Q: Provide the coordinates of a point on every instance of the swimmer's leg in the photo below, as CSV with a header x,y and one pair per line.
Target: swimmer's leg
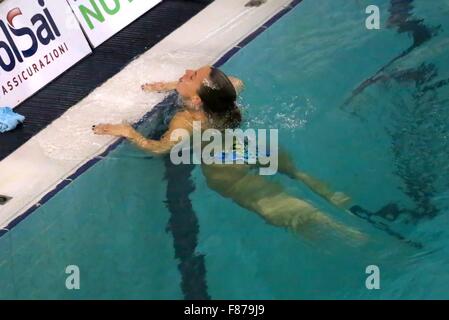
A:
x,y
339,199
269,200
287,167
300,216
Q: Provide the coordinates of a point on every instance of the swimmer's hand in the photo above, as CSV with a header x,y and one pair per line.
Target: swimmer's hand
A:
x,y
117,130
159,86
238,84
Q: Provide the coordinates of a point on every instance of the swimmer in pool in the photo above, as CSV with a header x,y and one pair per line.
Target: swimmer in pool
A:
x,y
209,96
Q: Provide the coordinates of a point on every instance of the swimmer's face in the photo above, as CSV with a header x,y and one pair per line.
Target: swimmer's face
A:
x,y
191,81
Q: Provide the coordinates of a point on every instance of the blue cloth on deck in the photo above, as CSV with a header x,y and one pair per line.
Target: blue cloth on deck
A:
x,y
9,119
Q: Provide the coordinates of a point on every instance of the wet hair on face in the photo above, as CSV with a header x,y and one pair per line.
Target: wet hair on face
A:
x,y
219,98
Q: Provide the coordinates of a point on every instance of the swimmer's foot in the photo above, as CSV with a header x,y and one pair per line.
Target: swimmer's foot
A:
x,y
350,234
341,200
338,199
355,234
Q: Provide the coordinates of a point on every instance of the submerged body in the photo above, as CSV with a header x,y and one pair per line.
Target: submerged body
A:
x,y
209,97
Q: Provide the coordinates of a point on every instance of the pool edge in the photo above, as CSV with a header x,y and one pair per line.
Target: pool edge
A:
x,y
283,10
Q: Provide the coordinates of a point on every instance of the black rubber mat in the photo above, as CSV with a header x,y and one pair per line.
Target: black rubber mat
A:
x,y
108,59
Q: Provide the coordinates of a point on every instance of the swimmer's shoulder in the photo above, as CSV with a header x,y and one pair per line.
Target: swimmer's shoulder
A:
x,y
184,119
181,119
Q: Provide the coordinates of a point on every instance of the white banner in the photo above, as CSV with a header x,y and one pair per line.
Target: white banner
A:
x,y
101,19
39,40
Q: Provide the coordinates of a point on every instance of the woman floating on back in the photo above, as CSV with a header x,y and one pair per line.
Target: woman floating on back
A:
x,y
209,98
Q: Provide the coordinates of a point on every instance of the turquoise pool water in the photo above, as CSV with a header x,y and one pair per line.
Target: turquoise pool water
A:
x,y
387,144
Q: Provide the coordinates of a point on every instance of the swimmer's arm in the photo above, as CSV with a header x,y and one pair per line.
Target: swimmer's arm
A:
x,y
169,86
159,86
238,84
166,143
162,146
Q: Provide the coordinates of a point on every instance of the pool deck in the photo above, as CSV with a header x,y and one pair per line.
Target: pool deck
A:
x,y
53,158
103,63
